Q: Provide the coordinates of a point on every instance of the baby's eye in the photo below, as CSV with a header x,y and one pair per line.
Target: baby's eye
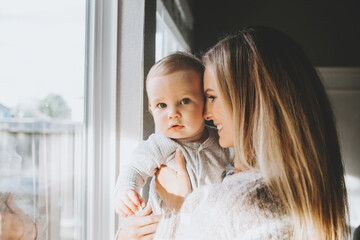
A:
x,y
161,105
212,98
185,101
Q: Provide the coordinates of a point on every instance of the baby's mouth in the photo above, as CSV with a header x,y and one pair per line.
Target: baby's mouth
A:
x,y
176,127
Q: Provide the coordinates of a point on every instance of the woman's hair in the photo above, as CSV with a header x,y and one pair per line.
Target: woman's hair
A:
x,y
284,127
174,62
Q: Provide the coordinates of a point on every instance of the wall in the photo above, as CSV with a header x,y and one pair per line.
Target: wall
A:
x,y
343,88
329,31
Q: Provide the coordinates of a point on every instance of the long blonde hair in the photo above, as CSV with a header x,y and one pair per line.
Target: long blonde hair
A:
x,y
284,127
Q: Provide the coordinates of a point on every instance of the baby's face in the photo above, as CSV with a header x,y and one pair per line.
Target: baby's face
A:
x,y
176,101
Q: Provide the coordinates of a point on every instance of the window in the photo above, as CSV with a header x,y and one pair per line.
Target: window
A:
x,y
64,110
42,121
168,37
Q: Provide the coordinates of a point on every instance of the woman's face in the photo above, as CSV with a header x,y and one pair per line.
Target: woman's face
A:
x,y
215,110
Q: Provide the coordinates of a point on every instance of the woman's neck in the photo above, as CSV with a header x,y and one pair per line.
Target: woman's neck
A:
x,y
236,165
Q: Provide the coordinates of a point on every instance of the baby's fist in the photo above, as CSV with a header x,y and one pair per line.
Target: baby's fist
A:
x,y
127,203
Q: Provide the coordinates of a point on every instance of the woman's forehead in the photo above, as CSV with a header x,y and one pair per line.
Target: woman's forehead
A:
x,y
209,79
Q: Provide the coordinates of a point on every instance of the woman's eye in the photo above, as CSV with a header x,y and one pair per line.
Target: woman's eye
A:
x,y
185,101
212,98
161,105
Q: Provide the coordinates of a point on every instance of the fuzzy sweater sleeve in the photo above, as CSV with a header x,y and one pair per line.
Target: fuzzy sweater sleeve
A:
x,y
170,223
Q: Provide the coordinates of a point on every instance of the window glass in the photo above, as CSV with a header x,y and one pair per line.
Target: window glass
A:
x,y
168,37
42,55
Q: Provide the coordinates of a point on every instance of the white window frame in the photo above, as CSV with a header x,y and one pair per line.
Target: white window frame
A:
x,y
115,68
101,57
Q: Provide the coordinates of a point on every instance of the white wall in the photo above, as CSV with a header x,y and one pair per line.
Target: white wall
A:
x,y
343,88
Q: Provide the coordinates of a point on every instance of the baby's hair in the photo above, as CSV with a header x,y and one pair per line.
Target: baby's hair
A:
x,y
174,62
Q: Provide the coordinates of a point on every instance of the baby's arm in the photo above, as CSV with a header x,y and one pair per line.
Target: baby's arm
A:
x,y
147,158
131,179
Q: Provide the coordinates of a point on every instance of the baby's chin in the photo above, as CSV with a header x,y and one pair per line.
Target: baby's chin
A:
x,y
188,138
178,136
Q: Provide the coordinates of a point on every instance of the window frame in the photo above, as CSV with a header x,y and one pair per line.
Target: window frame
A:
x,y
100,114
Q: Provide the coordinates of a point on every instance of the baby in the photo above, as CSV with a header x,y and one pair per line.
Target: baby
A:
x,y
176,102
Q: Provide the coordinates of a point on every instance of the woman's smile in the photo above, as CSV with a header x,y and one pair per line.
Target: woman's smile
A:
x,y
215,110
219,128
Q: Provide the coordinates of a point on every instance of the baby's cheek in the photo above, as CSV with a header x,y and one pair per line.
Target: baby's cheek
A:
x,y
197,115
199,108
159,119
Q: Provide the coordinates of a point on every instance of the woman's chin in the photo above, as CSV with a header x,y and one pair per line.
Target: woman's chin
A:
x,y
225,144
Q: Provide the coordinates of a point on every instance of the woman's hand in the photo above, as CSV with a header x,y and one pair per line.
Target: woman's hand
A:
x,y
11,226
141,227
172,186
16,224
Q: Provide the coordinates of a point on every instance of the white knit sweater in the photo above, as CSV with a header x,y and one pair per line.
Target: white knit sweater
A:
x,y
242,207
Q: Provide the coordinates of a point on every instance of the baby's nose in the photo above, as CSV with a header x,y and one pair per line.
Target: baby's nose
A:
x,y
174,113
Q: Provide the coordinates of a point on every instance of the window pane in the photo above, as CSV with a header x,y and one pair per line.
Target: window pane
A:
x,y
42,55
166,38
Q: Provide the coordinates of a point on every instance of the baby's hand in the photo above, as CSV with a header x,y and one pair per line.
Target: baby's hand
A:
x,y
127,203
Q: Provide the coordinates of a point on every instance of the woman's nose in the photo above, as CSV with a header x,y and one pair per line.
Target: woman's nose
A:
x,y
207,113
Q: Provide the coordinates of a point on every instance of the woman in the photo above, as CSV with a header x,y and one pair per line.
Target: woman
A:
x,y
267,102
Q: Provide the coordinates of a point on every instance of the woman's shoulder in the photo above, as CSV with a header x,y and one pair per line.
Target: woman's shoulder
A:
x,y
250,191
242,206
236,191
